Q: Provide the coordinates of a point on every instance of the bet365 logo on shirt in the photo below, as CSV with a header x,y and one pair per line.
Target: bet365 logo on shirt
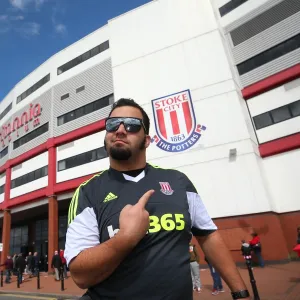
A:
x,y
166,222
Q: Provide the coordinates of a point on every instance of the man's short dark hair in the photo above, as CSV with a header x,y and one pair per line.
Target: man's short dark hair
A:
x,y
130,102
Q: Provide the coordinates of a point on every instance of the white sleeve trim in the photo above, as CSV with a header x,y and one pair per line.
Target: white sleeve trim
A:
x,y
82,233
199,215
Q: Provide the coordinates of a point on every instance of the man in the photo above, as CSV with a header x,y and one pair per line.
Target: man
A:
x,y
9,267
20,265
130,226
56,264
194,264
30,266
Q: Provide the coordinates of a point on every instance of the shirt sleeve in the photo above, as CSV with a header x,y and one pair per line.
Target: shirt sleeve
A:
x,y
83,231
201,222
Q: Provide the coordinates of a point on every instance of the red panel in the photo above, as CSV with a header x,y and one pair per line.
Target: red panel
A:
x,y
35,195
51,170
271,82
7,187
280,145
175,124
187,116
70,185
80,132
161,123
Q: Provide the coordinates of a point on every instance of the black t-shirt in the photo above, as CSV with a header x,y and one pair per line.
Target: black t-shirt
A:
x,y
158,267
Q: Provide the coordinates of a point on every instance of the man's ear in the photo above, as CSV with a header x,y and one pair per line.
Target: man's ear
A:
x,y
147,141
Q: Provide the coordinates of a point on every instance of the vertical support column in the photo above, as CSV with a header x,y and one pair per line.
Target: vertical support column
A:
x,y
5,235
51,166
52,228
7,187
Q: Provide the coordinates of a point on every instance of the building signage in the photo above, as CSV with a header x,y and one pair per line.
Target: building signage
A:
x,y
28,119
175,122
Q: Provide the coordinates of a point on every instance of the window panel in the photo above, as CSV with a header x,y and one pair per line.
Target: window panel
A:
x,y
33,88
65,96
262,120
269,55
84,110
82,159
31,135
295,108
281,114
83,57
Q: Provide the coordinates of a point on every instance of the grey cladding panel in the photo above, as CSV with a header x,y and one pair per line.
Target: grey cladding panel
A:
x,y
45,101
271,68
267,39
98,83
264,21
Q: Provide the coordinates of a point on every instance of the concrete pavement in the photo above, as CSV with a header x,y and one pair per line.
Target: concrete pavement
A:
x,y
274,282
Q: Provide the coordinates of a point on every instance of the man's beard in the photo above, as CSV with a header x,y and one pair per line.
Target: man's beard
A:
x,y
119,153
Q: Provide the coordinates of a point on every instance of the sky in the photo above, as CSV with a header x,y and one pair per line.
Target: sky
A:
x,y
31,31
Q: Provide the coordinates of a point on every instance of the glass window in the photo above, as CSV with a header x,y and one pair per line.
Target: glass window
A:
x,y
295,108
95,51
80,89
86,55
61,165
262,120
83,57
31,135
281,114
65,96
4,152
269,55
84,110
33,88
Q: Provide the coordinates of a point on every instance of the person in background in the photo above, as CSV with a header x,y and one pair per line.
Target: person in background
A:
x,y
20,265
30,264
64,263
35,263
9,267
56,264
194,264
217,286
14,264
256,247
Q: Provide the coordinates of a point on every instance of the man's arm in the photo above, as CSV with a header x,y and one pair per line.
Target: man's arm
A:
x,y
220,258
91,262
205,231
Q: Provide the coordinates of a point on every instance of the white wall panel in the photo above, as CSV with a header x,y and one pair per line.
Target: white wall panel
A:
x,y
2,178
229,188
29,187
1,198
277,97
86,169
30,165
158,25
196,63
282,173
82,145
279,130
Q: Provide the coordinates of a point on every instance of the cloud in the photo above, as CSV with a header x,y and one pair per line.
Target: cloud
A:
x,y
60,28
16,18
3,17
23,4
19,4
29,29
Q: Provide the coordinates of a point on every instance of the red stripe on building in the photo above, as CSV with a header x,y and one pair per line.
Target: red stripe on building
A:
x,y
187,116
281,145
161,123
271,82
175,124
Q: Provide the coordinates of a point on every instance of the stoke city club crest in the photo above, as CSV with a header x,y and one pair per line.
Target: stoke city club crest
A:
x,y
175,122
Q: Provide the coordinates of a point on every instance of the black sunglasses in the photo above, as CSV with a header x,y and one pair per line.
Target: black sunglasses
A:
x,y
132,125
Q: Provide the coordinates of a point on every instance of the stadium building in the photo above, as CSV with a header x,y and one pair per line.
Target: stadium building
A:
x,y
221,82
